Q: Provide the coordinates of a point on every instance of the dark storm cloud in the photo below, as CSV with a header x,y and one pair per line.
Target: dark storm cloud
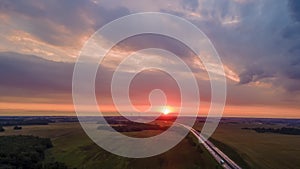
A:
x,y
144,41
258,39
31,75
292,34
295,9
291,31
34,73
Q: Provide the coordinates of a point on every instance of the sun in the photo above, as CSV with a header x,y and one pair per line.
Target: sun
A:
x,y
166,110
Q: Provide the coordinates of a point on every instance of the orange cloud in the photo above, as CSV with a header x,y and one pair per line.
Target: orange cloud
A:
x,y
40,109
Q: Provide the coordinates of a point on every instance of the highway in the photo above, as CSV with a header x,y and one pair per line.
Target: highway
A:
x,y
221,158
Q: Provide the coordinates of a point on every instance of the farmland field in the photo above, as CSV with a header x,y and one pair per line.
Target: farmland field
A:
x,y
72,147
259,150
248,148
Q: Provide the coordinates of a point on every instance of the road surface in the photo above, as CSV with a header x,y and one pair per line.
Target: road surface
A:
x,y
222,158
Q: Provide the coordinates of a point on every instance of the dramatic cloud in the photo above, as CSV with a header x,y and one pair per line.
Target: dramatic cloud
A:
x,y
258,38
258,42
27,76
57,23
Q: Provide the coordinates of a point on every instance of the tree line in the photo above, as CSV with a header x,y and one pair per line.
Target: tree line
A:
x,y
26,152
283,130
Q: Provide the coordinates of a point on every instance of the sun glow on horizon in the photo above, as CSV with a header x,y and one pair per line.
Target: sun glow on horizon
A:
x,y
166,110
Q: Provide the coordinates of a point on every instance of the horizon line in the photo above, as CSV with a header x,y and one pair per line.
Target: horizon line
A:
x,y
243,117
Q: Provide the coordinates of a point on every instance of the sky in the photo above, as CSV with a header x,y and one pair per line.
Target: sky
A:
x,y
258,42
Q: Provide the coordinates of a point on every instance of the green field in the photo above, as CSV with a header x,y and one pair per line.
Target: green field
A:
x,y
258,150
246,147
72,147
